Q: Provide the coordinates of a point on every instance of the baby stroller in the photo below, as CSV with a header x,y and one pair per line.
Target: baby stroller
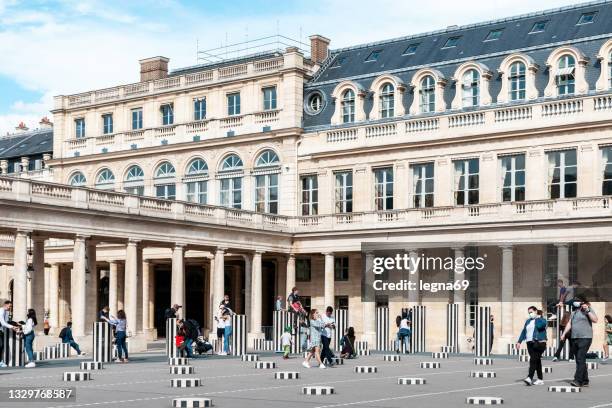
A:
x,y
202,346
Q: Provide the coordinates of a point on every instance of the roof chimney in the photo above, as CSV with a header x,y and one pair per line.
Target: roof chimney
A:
x,y
153,68
45,123
318,48
21,128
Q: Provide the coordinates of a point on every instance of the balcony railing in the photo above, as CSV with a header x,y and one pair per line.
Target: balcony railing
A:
x,y
29,191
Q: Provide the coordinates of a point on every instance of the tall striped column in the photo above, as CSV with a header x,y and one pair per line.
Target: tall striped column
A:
x,y
102,344
13,351
239,336
341,316
452,327
280,320
417,340
482,331
171,350
382,328
565,353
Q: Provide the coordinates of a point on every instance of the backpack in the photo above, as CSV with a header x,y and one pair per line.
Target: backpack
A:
x,y
62,333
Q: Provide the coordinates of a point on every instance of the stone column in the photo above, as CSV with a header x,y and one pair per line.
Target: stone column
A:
x,y
37,283
91,304
152,297
290,273
177,288
120,286
131,282
563,263
247,289
112,287
369,303
20,279
459,296
146,274
78,286
415,275
218,279
507,293
211,296
46,289
256,287
328,298
54,277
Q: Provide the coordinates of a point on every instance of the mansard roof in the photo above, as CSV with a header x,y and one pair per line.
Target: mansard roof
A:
x,y
30,143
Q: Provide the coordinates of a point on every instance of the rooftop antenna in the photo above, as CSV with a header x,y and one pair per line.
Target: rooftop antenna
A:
x,y
277,35
197,49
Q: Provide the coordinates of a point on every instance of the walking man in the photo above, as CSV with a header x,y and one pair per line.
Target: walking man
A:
x,y
326,336
581,326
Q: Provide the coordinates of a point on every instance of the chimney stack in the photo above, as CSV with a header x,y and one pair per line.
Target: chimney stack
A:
x,y
21,128
318,48
45,123
153,68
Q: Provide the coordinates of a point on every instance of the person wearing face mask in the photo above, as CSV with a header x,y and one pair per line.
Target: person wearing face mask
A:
x,y
534,333
581,327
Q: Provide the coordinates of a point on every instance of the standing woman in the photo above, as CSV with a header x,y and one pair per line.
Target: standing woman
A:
x,y
316,328
227,331
28,335
608,337
534,333
120,323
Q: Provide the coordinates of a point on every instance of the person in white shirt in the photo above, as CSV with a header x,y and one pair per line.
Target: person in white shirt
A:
x,y
326,336
220,329
28,336
5,326
286,342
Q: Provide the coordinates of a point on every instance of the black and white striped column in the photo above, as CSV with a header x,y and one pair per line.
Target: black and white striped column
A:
x,y
482,331
452,327
280,320
382,328
171,329
239,335
341,316
102,342
417,340
13,351
565,353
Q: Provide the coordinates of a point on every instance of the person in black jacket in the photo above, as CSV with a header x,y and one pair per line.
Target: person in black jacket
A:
x,y
171,312
191,333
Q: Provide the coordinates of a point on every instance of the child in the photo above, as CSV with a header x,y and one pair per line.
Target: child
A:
x,y
286,342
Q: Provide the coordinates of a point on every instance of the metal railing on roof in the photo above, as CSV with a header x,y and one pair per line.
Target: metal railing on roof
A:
x,y
251,48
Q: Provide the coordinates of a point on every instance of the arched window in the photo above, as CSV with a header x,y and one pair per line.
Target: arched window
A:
x,y
348,106
230,187
231,162
387,101
516,81
197,183
267,158
77,179
566,80
134,181
196,167
427,94
470,87
163,189
105,179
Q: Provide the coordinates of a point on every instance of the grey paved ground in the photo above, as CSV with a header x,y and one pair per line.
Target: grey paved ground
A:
x,y
145,382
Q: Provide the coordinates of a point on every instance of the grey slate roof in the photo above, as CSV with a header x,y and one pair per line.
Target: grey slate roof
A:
x,y
224,63
560,28
32,143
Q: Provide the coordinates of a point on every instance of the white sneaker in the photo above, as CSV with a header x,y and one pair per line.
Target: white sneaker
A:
x,y
305,364
31,364
528,381
322,366
223,353
538,382
2,365
571,360
555,359
604,359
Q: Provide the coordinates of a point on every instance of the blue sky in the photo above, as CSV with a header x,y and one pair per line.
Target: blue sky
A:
x,y
54,47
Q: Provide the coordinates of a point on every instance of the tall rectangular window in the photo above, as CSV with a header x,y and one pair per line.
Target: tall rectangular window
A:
x,y
79,128
383,189
310,195
167,112
341,268
303,270
231,192
269,98
233,104
344,191
423,185
199,109
562,174
107,124
167,191
606,188
137,119
266,193
197,191
466,181
513,177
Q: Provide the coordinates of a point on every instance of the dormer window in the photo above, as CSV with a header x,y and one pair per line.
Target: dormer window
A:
x,y
516,81
411,49
387,101
470,87
452,42
586,18
566,80
494,35
373,56
348,106
538,27
339,61
427,94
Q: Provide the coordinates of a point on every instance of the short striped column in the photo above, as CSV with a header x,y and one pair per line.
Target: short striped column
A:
x,y
63,350
341,316
13,351
50,352
417,340
483,331
171,349
382,328
102,343
239,336
452,327
565,352
263,345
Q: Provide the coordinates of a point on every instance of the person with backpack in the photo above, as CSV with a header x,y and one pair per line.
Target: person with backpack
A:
x,y
580,325
190,331
534,333
404,333
66,336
